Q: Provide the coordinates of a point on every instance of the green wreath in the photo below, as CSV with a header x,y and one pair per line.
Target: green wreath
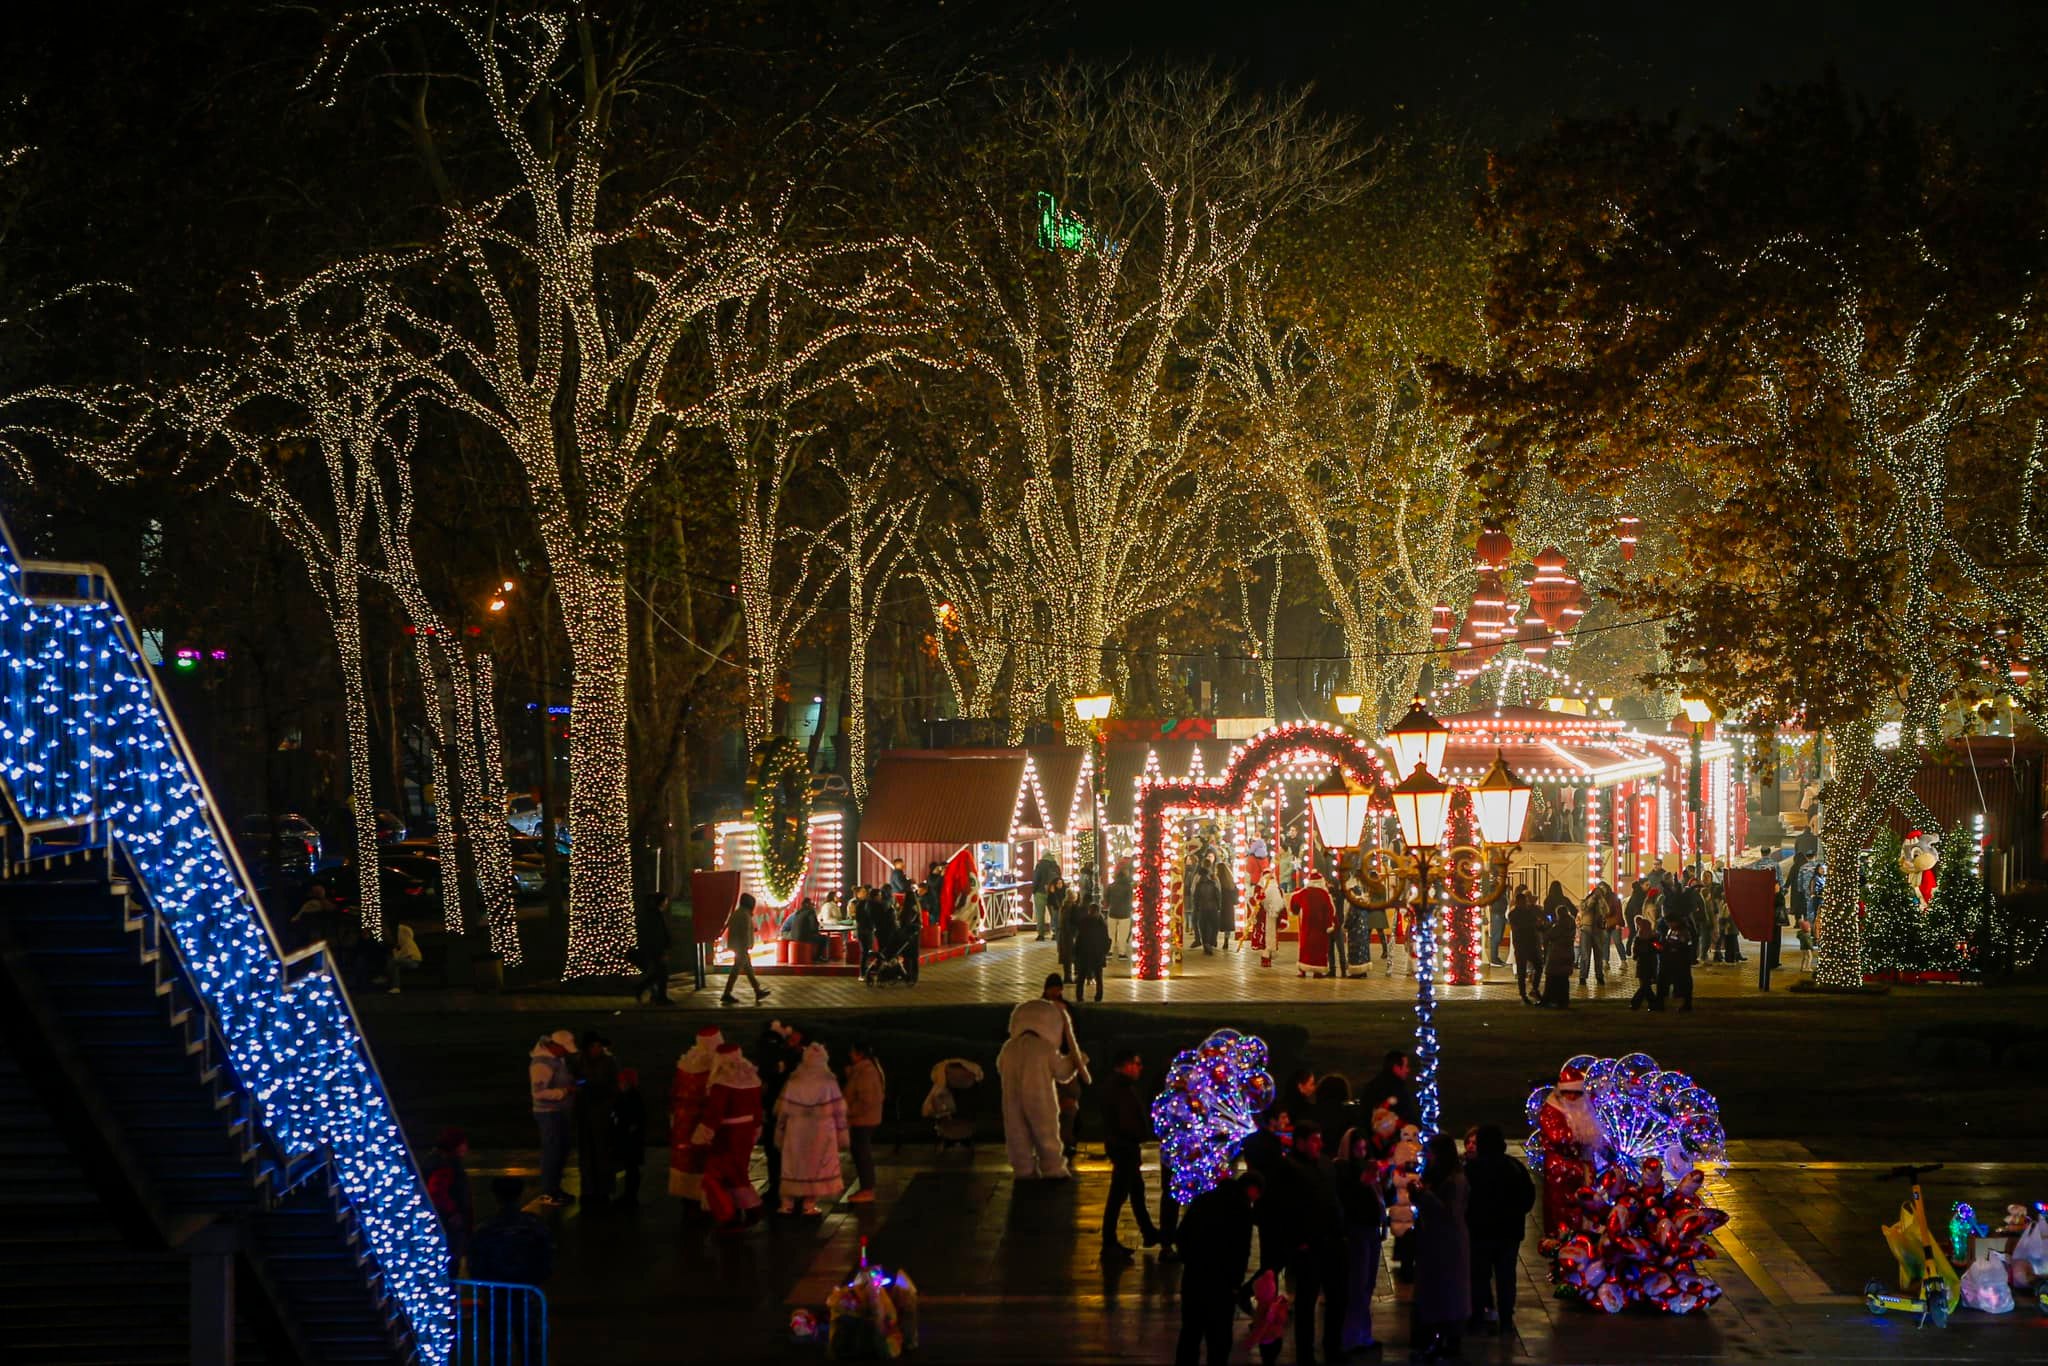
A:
x,y
779,787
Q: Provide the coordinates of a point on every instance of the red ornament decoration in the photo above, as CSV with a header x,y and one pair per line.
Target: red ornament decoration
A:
x,y
1626,528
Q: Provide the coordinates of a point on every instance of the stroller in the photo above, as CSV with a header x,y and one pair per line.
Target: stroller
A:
x,y
950,1104
893,947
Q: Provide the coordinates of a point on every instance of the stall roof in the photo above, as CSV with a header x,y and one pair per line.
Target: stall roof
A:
x,y
931,796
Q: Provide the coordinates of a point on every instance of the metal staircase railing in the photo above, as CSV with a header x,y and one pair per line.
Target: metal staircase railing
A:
x,y
91,757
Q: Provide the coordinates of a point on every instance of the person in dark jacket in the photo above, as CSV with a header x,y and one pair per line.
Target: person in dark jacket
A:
x,y
652,935
1215,1242
1126,1124
1044,877
1358,1175
1207,901
1443,1255
1558,939
934,893
512,1246
1642,949
1501,1196
910,936
448,1189
1091,950
1525,933
1068,918
1674,964
899,880
1394,1081
1116,908
1312,1231
597,1079
865,928
629,1134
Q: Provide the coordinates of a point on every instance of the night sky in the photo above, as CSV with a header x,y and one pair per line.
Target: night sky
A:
x,y
1505,71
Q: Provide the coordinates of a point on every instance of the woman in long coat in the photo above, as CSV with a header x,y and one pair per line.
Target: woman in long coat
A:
x,y
1443,1254
810,1129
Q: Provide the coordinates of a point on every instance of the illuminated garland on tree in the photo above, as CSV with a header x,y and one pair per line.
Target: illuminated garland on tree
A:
x,y
1210,1103
1293,742
779,789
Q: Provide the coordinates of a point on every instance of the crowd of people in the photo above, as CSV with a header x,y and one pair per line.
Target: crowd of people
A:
x,y
1333,1181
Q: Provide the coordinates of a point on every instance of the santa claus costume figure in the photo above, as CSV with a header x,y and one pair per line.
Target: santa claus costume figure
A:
x,y
1573,1146
725,1135
1314,914
685,1108
1267,916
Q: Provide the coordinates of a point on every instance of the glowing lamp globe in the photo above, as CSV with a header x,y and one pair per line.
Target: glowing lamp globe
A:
x,y
1418,738
1697,710
1501,802
1422,802
1348,703
1340,812
1093,709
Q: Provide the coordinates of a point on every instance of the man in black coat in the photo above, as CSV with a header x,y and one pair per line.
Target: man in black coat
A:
x,y
1496,1215
1525,933
651,930
1126,1124
1396,1080
1317,1264
1216,1252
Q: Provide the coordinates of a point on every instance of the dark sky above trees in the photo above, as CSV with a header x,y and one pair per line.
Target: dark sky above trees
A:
x,y
1505,70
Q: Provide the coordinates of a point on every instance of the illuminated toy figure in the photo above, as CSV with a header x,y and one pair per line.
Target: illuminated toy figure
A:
x,y
1573,1144
1314,915
1917,858
1033,1068
686,1106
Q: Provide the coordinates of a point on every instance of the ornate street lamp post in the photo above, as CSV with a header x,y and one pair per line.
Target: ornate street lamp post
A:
x,y
1472,875
1095,710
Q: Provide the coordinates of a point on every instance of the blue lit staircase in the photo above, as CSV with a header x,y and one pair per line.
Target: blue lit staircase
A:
x,y
198,1160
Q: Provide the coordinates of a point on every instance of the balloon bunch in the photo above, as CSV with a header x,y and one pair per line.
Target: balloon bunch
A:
x,y
1211,1103
1631,1240
1644,1113
873,1315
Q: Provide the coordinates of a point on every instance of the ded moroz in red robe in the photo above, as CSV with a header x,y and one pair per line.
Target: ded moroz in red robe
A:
x,y
686,1107
1313,914
725,1135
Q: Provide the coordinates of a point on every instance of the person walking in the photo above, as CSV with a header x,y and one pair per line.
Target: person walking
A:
x,y
1525,932
1674,964
1558,939
811,1132
1593,935
629,1135
1642,950
652,936
598,1087
864,1089
1215,1244
1443,1255
1091,950
1116,908
1501,1196
1126,1124
1365,1230
1044,877
739,937
553,1089
448,1190
1069,923
1207,898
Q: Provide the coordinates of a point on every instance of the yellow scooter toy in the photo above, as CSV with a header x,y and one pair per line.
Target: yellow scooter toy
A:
x,y
1928,1285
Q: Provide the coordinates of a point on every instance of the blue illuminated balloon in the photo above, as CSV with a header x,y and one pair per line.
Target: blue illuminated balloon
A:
x,y
1211,1102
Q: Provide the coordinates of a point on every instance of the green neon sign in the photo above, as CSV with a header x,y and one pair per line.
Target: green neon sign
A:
x,y
1061,231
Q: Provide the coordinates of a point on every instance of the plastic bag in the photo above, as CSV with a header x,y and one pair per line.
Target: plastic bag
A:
x,y
2030,1254
1984,1286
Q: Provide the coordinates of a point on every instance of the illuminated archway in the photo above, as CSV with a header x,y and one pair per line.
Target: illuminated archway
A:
x,y
1258,756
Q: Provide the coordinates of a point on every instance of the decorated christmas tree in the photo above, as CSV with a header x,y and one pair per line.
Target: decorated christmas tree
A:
x,y
1891,914
1959,912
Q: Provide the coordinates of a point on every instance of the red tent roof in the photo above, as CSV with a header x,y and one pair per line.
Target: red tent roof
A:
x,y
936,797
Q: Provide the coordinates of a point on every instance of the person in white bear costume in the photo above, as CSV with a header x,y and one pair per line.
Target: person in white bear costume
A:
x,y
1032,1066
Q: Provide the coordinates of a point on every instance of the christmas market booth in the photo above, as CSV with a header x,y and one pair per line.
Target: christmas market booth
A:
x,y
1003,808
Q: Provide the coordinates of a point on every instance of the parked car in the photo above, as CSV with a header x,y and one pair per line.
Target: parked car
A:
x,y
405,896
828,785
297,848
390,829
523,814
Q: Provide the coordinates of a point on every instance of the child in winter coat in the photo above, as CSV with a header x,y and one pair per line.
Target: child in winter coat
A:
x,y
865,1087
811,1130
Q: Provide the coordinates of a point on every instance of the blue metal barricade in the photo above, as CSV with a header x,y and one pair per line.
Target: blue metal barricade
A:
x,y
499,1324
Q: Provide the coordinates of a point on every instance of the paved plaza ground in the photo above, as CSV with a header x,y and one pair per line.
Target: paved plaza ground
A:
x,y
1820,1095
